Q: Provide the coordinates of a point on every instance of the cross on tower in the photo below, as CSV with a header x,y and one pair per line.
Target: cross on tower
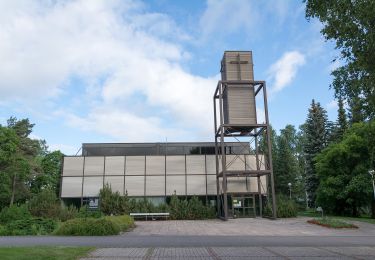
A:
x,y
239,62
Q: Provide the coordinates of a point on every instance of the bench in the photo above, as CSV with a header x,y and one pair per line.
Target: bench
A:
x,y
151,216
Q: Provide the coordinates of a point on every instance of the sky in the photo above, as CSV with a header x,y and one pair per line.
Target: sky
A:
x,y
145,71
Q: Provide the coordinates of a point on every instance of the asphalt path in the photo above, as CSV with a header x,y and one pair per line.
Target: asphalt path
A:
x,y
188,241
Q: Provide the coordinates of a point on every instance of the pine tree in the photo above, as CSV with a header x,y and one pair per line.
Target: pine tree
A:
x,y
316,141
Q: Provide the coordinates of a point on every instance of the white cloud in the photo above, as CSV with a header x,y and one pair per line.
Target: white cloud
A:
x,y
120,52
227,16
284,70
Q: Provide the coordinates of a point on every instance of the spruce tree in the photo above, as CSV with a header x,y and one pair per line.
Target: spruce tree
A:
x,y
342,123
285,163
316,141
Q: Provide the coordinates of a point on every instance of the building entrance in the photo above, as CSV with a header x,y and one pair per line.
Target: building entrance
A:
x,y
243,206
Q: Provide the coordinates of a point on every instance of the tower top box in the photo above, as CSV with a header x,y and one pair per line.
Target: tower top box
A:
x,y
237,65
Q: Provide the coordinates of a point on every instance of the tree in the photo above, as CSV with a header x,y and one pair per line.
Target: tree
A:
x,y
50,176
351,25
285,161
8,147
345,184
316,141
342,123
22,163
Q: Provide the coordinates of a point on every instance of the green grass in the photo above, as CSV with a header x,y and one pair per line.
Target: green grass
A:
x,y
361,219
43,253
314,214
331,223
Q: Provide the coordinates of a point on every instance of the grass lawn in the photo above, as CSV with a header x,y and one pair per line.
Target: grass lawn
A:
x,y
314,214
43,252
331,223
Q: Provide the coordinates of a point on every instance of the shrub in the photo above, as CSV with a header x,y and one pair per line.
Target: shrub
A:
x,y
88,227
45,205
112,203
3,231
124,222
85,212
14,213
67,213
189,209
286,208
32,226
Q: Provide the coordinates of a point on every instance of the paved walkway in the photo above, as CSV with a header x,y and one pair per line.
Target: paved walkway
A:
x,y
246,227
237,253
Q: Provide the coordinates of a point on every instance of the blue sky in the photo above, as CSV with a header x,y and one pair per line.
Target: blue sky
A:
x,y
136,71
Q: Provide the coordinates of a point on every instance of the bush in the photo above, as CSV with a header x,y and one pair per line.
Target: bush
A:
x,y
45,205
286,208
14,213
112,203
88,227
32,226
85,212
3,230
192,209
124,222
67,213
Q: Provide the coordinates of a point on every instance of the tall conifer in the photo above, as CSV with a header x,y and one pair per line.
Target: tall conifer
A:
x,y
316,141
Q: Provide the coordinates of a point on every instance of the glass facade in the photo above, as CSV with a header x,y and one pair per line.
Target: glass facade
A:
x,y
153,176
135,149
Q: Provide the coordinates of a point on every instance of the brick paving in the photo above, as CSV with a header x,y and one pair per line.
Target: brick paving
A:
x,y
237,253
246,227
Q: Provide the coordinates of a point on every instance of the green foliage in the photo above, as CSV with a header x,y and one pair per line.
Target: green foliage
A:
x,y
45,204
85,212
88,227
286,168
286,208
351,25
31,226
331,223
342,168
49,177
316,140
124,221
189,209
13,213
267,210
112,203
66,213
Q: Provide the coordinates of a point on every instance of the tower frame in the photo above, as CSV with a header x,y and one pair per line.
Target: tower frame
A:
x,y
224,131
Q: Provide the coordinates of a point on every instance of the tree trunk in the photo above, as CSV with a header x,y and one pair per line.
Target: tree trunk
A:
x,y
373,208
13,189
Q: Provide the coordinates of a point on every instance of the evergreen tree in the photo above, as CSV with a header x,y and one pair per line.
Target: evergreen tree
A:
x,y
342,123
331,129
316,141
285,162
355,110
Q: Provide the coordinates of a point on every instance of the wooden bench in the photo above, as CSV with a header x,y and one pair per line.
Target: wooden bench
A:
x,y
152,216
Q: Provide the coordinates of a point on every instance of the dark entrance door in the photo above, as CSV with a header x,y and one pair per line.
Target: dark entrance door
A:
x,y
243,206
